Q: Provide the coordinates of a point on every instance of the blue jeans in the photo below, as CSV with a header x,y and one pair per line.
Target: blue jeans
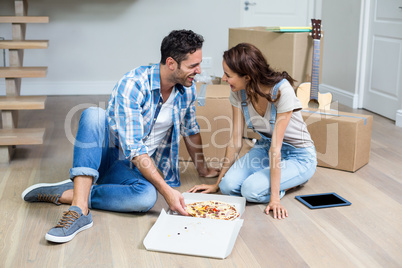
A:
x,y
250,175
118,185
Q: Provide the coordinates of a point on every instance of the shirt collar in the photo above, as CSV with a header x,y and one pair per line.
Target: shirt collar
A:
x,y
157,80
156,77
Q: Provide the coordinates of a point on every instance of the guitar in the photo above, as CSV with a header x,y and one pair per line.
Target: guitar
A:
x,y
308,93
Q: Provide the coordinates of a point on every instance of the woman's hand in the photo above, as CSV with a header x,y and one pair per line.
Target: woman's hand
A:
x,y
279,211
204,188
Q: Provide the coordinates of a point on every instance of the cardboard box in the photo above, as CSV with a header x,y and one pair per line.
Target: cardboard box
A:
x,y
196,236
342,140
291,52
214,116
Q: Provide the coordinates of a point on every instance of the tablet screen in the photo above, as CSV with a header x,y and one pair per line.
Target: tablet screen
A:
x,y
323,200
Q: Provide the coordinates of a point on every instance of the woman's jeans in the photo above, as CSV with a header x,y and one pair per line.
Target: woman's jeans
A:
x,y
118,185
250,175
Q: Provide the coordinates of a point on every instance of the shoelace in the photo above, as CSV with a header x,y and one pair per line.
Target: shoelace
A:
x,y
67,219
51,198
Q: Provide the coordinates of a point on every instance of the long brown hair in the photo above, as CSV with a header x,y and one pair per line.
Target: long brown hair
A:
x,y
246,59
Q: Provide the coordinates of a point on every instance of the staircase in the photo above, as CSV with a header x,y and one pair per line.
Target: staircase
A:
x,y
10,134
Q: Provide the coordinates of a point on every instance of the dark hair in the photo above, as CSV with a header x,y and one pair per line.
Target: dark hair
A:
x,y
246,59
178,44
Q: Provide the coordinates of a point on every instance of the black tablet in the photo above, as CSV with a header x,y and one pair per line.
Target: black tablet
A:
x,y
324,200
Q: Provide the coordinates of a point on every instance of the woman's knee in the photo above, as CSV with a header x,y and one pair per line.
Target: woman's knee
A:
x,y
250,193
228,186
256,188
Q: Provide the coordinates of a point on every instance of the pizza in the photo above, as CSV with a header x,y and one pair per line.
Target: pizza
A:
x,y
212,210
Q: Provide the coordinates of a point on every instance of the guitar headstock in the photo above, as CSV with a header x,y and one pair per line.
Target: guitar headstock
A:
x,y
316,29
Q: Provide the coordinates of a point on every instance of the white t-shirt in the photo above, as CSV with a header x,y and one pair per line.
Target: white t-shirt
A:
x,y
296,133
162,125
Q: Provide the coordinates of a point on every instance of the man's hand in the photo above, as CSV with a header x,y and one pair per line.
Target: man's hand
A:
x,y
279,211
204,188
209,172
175,200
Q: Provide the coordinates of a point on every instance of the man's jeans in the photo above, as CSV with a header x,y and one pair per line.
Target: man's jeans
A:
x,y
250,175
118,185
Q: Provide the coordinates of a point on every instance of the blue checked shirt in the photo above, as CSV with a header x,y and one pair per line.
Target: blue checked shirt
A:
x,y
132,110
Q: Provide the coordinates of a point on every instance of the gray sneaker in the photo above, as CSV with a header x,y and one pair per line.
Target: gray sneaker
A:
x,y
71,223
46,192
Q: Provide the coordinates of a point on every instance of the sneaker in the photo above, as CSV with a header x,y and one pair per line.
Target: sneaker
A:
x,y
71,223
46,192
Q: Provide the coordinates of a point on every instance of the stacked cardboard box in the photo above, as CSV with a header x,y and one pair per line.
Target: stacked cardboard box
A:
x,y
342,140
291,52
214,115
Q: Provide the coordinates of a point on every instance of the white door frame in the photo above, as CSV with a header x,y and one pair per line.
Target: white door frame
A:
x,y
364,31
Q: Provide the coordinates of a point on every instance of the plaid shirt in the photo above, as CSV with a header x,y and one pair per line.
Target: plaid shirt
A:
x,y
133,107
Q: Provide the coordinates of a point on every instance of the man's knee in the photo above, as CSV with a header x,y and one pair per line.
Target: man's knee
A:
x,y
93,116
149,200
91,129
141,201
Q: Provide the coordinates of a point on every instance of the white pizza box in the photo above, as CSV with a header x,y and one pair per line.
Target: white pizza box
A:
x,y
174,233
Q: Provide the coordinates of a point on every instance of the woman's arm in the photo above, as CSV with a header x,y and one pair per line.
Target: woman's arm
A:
x,y
282,121
231,154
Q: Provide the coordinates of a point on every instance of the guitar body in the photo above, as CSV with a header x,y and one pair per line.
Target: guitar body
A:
x,y
323,101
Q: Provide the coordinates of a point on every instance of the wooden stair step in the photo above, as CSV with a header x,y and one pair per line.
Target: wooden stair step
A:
x,y
21,136
24,19
24,44
22,103
20,72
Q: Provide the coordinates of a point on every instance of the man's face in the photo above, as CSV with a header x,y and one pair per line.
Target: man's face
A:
x,y
189,67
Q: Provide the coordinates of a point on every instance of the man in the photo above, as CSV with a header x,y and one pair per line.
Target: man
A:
x,y
114,153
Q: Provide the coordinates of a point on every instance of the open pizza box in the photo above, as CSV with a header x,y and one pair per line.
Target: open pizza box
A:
x,y
174,233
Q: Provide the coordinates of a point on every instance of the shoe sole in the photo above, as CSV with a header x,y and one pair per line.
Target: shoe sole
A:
x,y
33,187
63,239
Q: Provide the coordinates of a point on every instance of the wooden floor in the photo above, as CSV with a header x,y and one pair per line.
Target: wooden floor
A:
x,y
366,234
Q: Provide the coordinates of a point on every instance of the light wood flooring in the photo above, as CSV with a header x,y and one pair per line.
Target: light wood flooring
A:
x,y
366,234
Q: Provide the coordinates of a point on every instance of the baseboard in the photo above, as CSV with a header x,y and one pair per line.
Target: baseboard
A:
x,y
33,88
398,121
341,96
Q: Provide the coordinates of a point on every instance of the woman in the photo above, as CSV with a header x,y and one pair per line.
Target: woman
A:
x,y
285,156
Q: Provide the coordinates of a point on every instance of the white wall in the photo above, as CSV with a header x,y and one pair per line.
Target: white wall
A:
x,y
93,43
341,25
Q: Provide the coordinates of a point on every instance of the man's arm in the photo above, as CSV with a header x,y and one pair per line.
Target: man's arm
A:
x,y
174,198
194,148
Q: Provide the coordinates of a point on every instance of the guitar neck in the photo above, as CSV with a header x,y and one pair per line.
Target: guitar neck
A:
x,y
315,72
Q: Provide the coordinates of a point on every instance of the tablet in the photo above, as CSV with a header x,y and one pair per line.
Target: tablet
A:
x,y
323,200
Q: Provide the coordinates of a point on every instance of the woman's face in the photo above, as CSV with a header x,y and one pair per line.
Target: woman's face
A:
x,y
236,82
